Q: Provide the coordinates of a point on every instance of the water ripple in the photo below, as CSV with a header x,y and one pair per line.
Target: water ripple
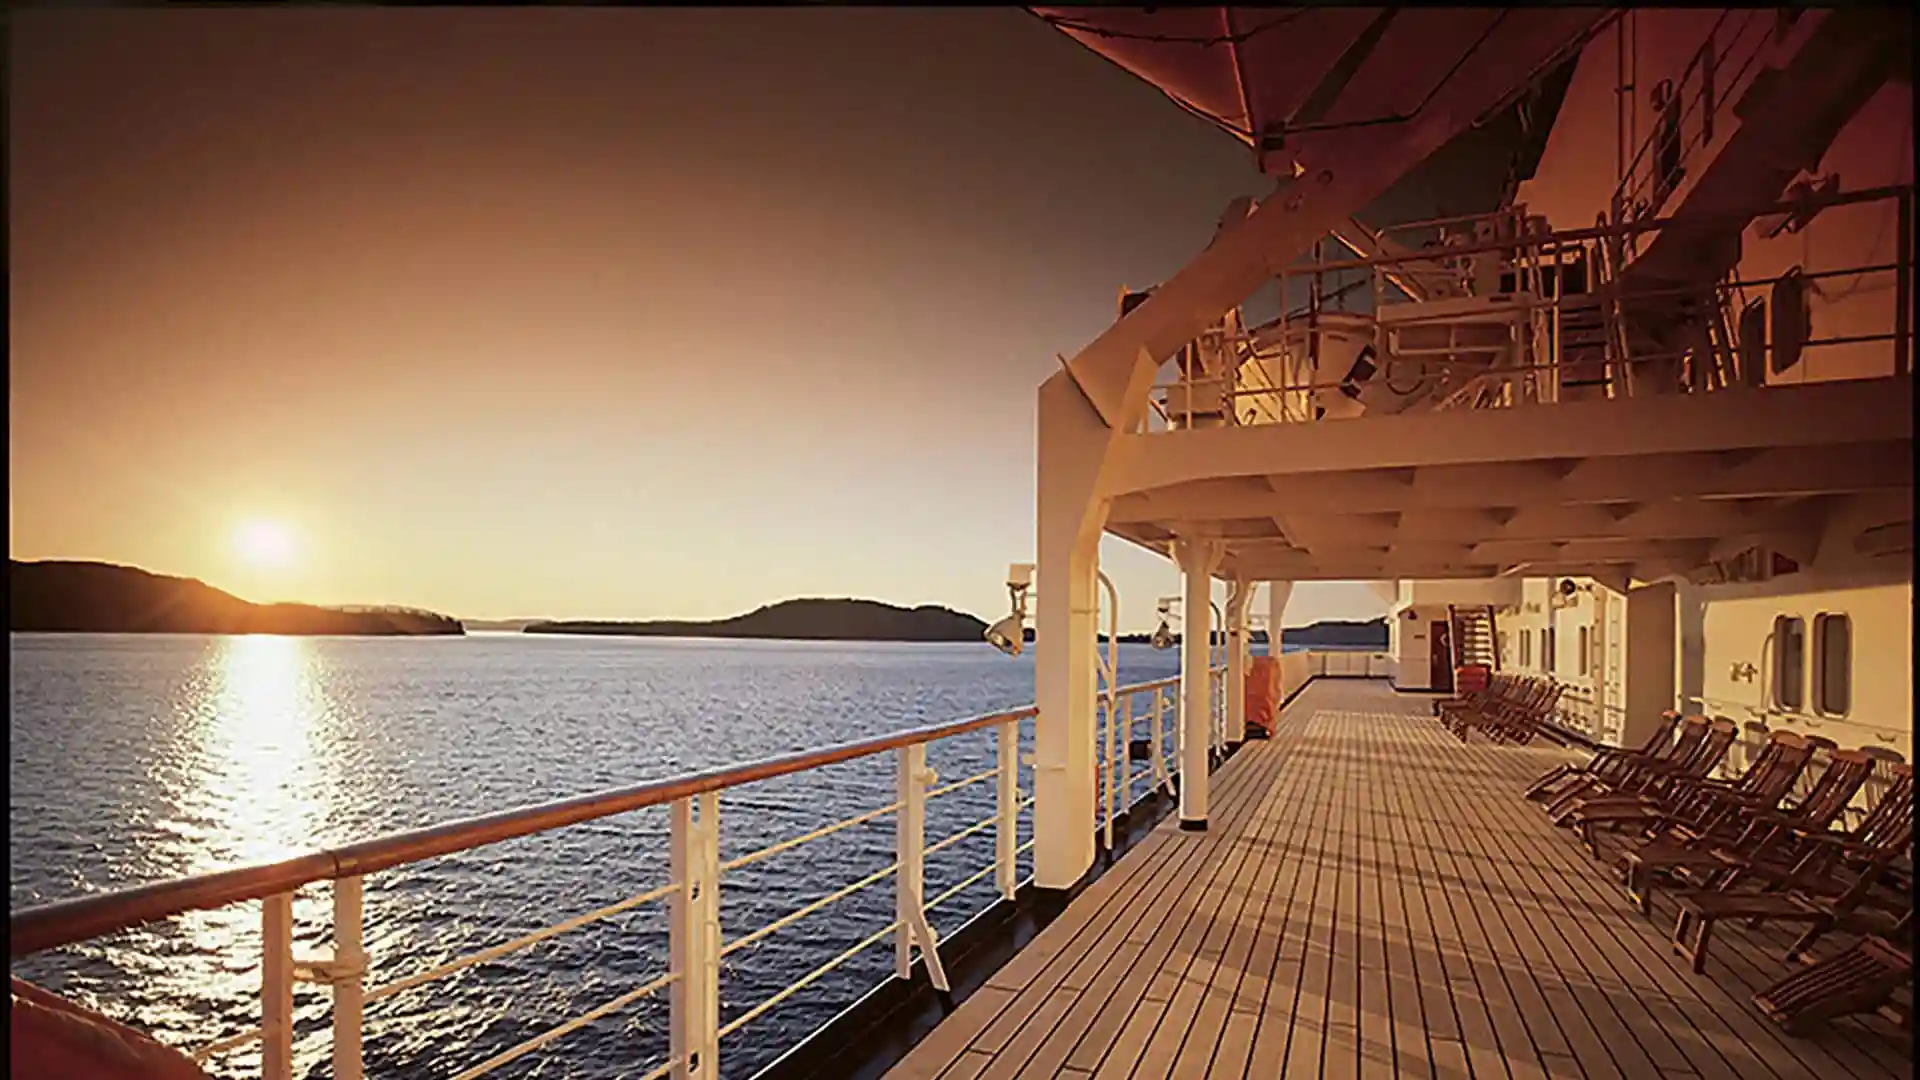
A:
x,y
138,759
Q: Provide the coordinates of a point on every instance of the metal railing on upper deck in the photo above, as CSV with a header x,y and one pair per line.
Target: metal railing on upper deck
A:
x,y
696,946
1715,79
1542,338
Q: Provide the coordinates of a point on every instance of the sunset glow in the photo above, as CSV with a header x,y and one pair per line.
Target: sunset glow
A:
x,y
264,545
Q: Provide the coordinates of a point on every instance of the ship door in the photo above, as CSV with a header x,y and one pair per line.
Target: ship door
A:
x,y
1440,665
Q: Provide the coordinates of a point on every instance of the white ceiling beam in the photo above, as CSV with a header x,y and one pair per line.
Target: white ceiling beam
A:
x,y
1663,520
1854,466
1814,414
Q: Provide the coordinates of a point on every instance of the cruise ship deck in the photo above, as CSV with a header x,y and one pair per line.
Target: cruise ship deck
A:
x,y
1374,898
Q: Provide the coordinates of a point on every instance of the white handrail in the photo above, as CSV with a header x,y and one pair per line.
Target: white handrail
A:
x,y
696,944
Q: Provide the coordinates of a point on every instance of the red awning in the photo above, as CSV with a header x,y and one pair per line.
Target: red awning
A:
x,y
1262,73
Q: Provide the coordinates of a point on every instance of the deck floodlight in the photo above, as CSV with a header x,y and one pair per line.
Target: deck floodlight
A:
x,y
1009,635
1163,634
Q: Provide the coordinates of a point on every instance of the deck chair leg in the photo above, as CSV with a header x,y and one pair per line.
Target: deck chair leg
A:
x,y
1691,936
1805,941
1638,881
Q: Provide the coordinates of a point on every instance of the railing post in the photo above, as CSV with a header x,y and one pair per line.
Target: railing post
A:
x,y
910,844
1106,768
348,975
694,937
276,987
1156,740
1903,286
1006,833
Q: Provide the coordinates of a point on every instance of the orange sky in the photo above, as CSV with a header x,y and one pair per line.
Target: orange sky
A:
x,y
590,312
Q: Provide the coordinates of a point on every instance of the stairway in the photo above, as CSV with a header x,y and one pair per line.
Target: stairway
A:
x,y
1471,631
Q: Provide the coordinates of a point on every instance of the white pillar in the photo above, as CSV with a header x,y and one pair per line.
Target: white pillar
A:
x,y
1652,653
1278,593
1197,560
1690,647
1072,446
1238,600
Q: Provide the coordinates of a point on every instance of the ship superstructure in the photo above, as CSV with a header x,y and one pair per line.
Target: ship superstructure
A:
x,y
1586,335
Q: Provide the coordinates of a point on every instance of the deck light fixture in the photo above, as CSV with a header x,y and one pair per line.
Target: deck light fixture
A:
x,y
1163,634
1009,635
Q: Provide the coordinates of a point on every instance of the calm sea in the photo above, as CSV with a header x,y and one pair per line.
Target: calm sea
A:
x,y
136,759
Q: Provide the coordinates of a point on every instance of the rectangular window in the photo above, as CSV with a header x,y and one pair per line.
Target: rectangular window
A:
x,y
1526,648
1585,649
1547,656
1832,664
1789,662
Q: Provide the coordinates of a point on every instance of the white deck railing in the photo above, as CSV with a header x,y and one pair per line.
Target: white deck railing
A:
x,y
691,891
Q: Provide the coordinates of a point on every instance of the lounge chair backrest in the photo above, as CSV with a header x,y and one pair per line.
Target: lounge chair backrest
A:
x,y
1662,733
1721,732
1693,731
1890,822
1772,773
1833,792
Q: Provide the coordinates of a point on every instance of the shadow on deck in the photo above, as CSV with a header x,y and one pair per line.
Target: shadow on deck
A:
x,y
1376,899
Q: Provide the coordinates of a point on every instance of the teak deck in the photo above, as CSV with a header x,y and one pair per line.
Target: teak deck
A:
x,y
1375,899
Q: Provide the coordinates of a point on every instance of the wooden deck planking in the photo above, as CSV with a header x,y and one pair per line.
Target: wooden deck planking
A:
x,y
1376,899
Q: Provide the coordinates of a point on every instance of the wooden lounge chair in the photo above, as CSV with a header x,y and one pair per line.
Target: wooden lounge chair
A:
x,y
1657,779
1561,777
1512,717
1619,772
1860,979
1518,725
1891,809
1699,808
1766,836
1833,883
1502,691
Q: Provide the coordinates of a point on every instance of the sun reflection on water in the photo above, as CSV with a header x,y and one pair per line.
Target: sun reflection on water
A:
x,y
262,792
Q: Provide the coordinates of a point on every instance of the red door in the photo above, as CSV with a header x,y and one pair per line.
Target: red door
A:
x,y
1440,664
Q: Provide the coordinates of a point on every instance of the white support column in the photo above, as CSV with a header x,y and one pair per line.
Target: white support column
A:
x,y
1197,559
1238,600
1278,593
1690,644
1073,444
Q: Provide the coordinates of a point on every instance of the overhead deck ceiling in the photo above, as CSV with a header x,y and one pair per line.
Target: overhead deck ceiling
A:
x,y
1636,499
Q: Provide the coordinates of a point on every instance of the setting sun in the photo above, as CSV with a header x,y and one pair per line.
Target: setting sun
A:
x,y
264,544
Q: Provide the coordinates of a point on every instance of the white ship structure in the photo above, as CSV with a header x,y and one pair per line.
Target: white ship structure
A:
x,y
1586,335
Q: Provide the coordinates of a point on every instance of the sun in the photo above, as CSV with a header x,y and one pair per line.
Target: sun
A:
x,y
267,545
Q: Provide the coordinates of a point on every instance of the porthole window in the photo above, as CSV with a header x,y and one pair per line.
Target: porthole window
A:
x,y
1832,664
1789,662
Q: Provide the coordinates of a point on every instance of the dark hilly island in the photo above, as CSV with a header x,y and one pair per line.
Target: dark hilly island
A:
x,y
102,598
802,620
1331,633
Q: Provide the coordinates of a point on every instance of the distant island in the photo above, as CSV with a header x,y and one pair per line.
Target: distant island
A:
x,y
511,626
1371,634
801,620
65,597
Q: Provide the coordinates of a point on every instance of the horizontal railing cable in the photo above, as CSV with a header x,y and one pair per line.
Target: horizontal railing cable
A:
x,y
825,830
566,1028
